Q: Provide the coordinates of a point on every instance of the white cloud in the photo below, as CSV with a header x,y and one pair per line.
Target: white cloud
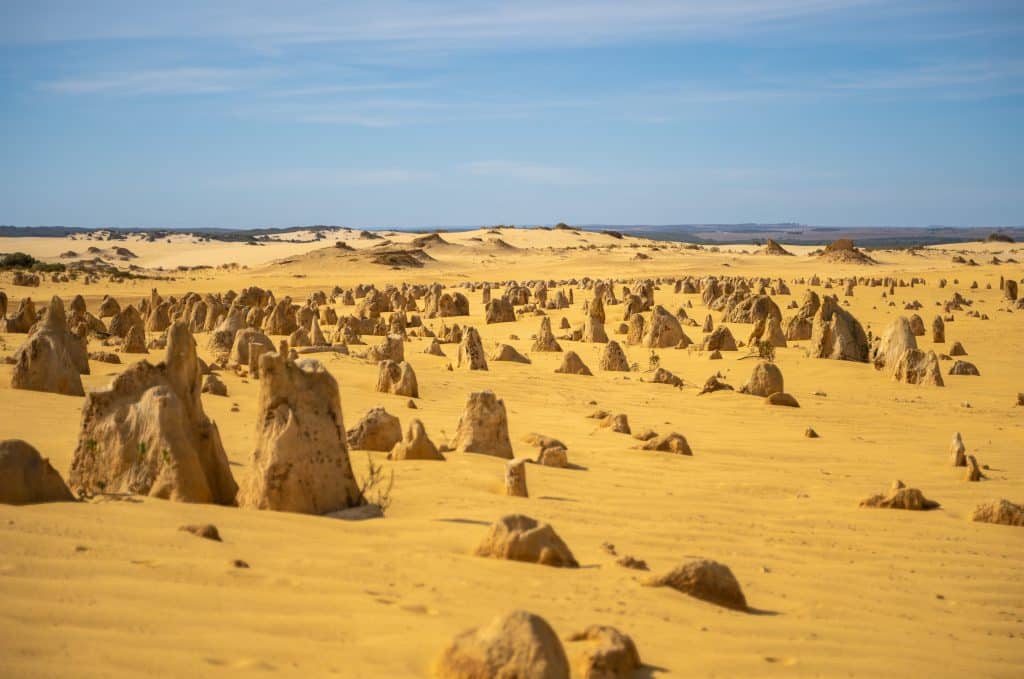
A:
x,y
451,24
159,81
529,172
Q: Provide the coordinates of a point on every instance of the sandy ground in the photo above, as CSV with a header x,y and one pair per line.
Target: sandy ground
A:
x,y
112,588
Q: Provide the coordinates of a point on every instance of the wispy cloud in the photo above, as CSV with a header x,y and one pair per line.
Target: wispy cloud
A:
x,y
199,80
529,172
992,76
350,88
319,178
449,24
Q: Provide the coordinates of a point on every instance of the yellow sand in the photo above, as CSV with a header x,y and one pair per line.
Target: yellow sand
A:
x,y
111,588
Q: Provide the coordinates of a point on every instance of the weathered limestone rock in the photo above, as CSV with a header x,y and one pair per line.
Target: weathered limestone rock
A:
x,y
706,580
601,652
416,445
507,353
397,378
900,497
765,380
483,427
515,478
518,645
572,364
378,430
471,351
1000,511
520,538
148,434
836,334
26,477
663,330
52,358
545,337
613,358
301,462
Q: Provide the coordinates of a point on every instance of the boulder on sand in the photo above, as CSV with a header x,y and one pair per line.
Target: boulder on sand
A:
x,y
918,367
900,497
613,358
416,445
963,368
662,376
836,334
572,364
602,652
765,380
499,310
1000,511
214,385
397,378
781,398
617,423
245,340
520,538
719,339
391,348
897,339
483,427
714,384
378,430
148,434
518,645
52,358
26,477
663,330
301,463
669,443
23,319
507,353
134,341
706,580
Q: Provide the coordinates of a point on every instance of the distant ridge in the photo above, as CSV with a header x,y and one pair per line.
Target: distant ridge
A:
x,y
785,233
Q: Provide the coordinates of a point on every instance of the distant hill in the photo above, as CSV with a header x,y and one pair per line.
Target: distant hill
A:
x,y
710,234
801,234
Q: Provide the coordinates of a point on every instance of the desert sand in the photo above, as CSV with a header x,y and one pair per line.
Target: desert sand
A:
x,y
110,587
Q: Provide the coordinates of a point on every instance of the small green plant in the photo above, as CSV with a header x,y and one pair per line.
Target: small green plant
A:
x,y
766,350
653,361
376,488
142,448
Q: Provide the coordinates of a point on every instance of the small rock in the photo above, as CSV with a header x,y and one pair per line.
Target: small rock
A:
x,y
203,530
628,561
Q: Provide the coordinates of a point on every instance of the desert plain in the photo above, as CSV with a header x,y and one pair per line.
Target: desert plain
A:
x,y
108,585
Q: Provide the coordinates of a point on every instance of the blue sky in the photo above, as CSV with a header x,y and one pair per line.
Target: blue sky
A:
x,y
252,113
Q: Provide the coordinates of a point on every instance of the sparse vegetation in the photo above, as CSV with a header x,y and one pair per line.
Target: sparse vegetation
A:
x,y
653,361
765,350
376,488
20,260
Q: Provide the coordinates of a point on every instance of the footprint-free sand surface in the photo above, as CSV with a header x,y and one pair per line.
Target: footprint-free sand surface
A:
x,y
111,587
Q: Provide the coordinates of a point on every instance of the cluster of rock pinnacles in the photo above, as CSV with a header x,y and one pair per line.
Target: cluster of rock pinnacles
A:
x,y
148,434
